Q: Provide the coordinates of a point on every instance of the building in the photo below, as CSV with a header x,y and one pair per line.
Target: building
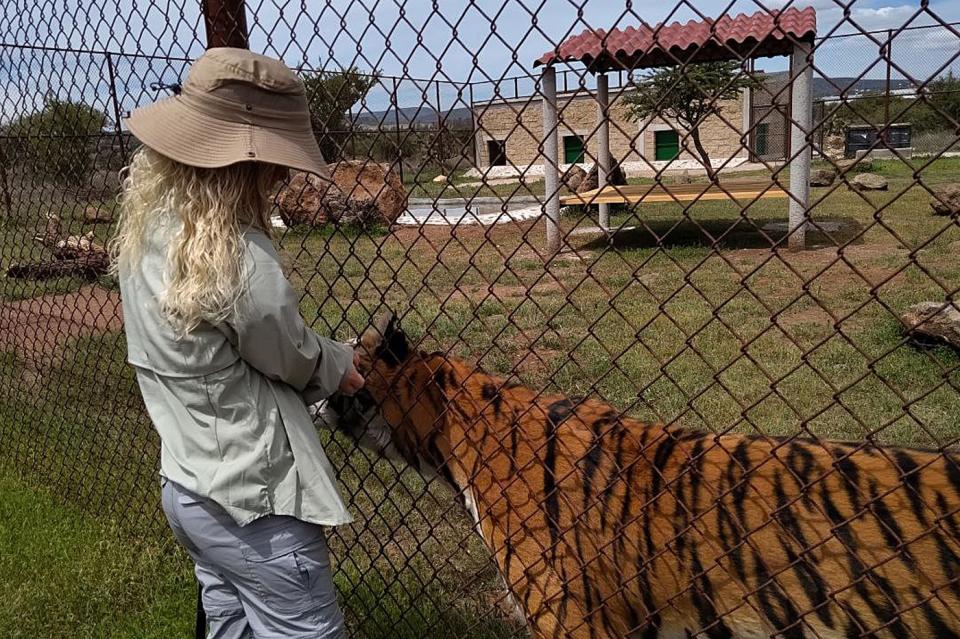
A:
x,y
509,132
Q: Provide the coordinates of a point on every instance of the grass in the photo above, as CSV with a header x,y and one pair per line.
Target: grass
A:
x,y
65,573
693,317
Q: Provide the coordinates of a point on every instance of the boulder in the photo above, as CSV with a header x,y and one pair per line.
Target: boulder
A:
x,y
854,165
96,215
946,199
833,146
441,178
935,320
573,177
616,178
822,177
869,182
301,200
361,193
364,181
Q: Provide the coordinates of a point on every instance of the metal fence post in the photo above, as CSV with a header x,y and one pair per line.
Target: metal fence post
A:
x,y
396,120
226,23
115,102
4,182
886,53
801,78
603,138
551,170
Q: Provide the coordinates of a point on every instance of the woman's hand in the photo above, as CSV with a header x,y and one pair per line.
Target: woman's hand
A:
x,y
352,380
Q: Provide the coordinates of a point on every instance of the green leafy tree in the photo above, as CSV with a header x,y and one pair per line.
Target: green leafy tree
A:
x,y
60,139
688,95
942,105
330,95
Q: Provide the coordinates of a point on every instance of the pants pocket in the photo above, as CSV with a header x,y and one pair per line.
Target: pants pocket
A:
x,y
295,581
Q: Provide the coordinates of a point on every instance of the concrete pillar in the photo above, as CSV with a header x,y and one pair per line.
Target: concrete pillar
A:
x,y
603,141
551,169
801,74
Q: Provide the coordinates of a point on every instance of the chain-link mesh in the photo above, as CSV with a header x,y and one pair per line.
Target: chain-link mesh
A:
x,y
668,295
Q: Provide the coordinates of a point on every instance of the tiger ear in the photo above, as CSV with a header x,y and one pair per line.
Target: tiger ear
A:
x,y
385,340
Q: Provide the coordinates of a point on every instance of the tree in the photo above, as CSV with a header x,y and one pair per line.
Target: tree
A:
x,y
330,95
942,101
61,138
688,95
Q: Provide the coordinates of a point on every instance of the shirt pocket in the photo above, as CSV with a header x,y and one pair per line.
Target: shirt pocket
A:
x,y
236,423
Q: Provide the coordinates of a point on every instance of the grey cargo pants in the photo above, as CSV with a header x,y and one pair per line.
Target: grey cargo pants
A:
x,y
269,579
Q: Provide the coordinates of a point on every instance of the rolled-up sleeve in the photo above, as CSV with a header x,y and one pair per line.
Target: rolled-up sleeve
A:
x,y
270,335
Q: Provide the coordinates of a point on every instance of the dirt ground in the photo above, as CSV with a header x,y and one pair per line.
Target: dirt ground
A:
x,y
36,329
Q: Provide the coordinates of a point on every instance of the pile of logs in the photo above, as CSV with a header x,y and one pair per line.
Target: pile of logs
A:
x,y
73,256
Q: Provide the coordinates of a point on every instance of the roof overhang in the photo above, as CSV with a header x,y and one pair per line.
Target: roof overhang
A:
x,y
739,37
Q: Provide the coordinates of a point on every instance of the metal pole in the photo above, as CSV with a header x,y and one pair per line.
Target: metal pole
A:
x,y
551,170
474,133
226,23
396,120
886,96
116,108
443,156
603,137
7,200
801,78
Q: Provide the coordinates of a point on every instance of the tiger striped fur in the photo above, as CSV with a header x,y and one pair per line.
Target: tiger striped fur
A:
x,y
604,526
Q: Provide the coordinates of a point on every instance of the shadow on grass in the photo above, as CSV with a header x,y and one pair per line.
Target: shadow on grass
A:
x,y
402,608
730,233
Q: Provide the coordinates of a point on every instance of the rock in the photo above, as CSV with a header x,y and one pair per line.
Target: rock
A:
x,y
869,182
833,146
861,165
573,177
361,193
441,178
935,320
301,200
616,178
822,177
97,215
945,199
364,181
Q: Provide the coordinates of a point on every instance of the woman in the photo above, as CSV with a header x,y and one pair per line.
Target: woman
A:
x,y
223,359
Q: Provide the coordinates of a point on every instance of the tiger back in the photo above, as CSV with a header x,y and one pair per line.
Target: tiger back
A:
x,y
605,526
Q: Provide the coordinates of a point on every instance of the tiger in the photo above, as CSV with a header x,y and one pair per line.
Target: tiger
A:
x,y
605,526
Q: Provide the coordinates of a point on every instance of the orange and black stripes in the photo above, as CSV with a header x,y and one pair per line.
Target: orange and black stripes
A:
x,y
603,526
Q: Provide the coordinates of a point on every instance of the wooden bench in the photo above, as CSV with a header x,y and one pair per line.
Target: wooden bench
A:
x,y
737,190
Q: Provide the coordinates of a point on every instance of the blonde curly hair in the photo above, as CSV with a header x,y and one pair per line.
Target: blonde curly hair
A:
x,y
203,213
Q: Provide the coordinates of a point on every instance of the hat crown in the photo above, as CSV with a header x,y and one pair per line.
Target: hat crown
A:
x,y
222,66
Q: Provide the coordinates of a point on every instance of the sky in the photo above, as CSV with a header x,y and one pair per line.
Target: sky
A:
x,y
453,41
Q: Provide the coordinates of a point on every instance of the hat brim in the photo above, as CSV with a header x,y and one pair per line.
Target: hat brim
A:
x,y
174,129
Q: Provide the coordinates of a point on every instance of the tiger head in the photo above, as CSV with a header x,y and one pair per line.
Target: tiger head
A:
x,y
397,410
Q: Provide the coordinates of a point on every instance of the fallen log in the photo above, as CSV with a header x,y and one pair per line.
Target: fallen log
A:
x,y
90,266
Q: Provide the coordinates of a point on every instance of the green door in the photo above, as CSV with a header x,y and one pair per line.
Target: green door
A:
x,y
666,145
572,149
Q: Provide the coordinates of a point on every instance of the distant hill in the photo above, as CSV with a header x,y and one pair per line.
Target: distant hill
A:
x,y
460,117
826,87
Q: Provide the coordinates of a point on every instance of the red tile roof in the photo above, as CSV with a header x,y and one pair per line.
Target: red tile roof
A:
x,y
764,33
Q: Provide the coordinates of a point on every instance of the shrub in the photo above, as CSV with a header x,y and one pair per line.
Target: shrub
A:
x,y
60,140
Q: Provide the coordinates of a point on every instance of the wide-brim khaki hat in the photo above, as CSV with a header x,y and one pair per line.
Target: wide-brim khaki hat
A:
x,y
235,106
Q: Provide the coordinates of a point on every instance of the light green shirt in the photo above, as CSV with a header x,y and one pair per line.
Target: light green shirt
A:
x,y
229,401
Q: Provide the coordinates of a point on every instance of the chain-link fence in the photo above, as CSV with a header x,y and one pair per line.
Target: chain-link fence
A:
x,y
602,222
